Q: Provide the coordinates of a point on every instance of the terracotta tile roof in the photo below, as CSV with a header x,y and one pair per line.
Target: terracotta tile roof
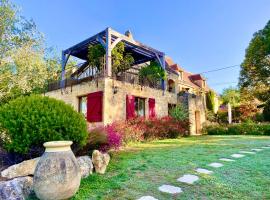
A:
x,y
188,78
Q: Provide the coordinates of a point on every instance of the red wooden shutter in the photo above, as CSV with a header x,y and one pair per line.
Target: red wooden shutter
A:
x,y
130,106
152,112
94,107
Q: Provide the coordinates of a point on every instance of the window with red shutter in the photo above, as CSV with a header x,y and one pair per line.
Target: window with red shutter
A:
x,y
94,107
152,111
130,107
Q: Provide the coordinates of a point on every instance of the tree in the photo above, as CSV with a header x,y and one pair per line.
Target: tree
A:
x,y
231,95
255,69
23,66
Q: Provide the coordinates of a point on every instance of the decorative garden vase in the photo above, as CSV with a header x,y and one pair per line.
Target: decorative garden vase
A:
x,y
57,175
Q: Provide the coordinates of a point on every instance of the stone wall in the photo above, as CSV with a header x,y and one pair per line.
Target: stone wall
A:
x,y
71,94
114,99
115,104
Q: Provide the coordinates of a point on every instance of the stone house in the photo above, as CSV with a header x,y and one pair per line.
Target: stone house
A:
x,y
104,98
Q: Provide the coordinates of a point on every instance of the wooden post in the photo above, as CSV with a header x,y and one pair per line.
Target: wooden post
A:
x,y
108,53
163,82
62,83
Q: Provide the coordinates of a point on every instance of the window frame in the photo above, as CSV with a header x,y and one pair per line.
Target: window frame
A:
x,y
80,107
135,107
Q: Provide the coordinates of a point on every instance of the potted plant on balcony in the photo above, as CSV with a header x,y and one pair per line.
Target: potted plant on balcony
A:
x,y
152,73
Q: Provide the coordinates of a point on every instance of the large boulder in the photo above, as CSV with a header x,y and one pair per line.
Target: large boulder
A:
x,y
100,161
86,166
16,189
24,168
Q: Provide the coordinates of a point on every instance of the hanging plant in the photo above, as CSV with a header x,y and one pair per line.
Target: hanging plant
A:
x,y
95,56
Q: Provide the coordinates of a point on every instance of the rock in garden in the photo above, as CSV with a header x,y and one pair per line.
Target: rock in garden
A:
x,y
188,178
24,168
16,189
147,198
100,161
170,189
86,166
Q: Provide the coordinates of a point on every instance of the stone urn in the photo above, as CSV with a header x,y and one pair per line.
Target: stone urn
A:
x,y
57,175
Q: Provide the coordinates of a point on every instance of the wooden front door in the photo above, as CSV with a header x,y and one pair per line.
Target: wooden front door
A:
x,y
198,122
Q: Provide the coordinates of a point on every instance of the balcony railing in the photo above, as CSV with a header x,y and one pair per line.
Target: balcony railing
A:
x,y
127,77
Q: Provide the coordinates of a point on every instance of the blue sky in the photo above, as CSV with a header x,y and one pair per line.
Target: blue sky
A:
x,y
199,35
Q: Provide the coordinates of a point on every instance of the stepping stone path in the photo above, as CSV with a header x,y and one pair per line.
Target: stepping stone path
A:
x,y
216,165
247,152
203,171
188,178
227,159
170,189
147,198
256,149
236,155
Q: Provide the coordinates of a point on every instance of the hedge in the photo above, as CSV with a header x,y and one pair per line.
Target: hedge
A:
x,y
239,129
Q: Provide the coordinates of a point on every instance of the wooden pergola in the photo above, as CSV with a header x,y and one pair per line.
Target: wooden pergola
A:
x,y
109,38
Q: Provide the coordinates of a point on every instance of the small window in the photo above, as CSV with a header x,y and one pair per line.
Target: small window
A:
x,y
171,86
170,107
139,107
83,105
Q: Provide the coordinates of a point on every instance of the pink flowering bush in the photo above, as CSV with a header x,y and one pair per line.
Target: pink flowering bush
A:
x,y
114,139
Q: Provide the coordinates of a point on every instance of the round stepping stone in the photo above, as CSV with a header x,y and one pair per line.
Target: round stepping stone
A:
x,y
226,159
247,152
203,171
170,189
188,178
216,165
256,149
147,198
236,155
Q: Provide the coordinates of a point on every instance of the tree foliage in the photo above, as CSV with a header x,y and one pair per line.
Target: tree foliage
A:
x,y
255,69
231,95
96,55
23,66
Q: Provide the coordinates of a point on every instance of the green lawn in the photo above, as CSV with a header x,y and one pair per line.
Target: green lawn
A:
x,y
142,168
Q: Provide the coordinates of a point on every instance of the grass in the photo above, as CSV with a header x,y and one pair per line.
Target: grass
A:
x,y
141,168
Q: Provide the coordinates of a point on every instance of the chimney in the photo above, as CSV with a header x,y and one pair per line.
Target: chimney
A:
x,y
129,34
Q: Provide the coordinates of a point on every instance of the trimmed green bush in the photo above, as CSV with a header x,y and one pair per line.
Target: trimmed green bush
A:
x,y
239,129
30,121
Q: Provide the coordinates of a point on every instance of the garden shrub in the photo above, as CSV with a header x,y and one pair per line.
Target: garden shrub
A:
x,y
30,121
179,112
165,127
114,139
239,129
130,130
216,130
